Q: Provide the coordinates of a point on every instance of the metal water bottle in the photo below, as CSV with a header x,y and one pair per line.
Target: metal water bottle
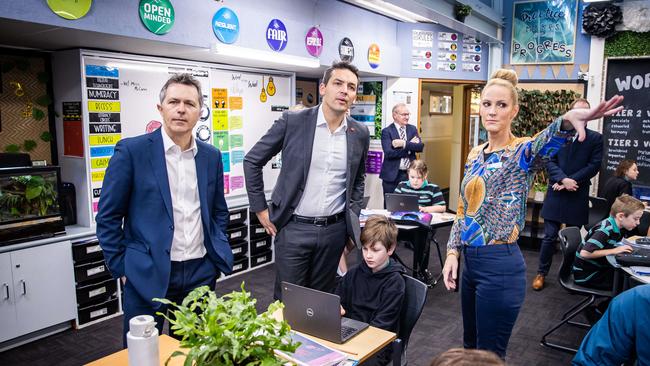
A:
x,y
142,341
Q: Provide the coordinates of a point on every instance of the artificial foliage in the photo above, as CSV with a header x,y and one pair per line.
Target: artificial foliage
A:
x,y
536,110
628,43
227,331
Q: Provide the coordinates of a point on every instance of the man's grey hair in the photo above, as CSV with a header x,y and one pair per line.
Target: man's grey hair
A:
x,y
397,106
184,79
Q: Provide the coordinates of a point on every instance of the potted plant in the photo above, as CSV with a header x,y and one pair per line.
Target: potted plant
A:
x,y
27,195
227,330
540,191
461,11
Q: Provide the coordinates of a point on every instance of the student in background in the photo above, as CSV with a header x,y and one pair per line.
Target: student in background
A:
x,y
430,200
373,290
622,335
590,267
467,357
567,200
621,183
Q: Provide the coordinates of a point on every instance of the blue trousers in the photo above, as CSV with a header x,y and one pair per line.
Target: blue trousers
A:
x,y
184,277
493,288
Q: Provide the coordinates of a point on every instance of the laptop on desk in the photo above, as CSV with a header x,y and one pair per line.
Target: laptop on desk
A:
x,y
642,193
638,257
317,313
401,202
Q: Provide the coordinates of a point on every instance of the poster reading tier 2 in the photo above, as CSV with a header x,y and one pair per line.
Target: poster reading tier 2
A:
x,y
543,32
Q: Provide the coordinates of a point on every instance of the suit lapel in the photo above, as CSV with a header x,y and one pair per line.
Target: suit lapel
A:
x,y
309,132
350,137
159,167
202,167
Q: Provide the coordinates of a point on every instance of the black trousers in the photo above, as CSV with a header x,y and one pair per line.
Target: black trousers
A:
x,y
308,255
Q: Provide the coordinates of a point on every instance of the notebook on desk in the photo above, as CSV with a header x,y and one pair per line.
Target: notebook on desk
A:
x,y
401,202
317,313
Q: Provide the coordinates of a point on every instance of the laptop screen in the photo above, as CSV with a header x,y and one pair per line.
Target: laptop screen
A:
x,y
641,192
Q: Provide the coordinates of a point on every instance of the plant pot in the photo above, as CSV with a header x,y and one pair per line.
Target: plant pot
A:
x,y
461,18
539,196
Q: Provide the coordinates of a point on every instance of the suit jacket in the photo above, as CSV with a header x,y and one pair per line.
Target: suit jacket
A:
x,y
392,156
579,161
293,134
136,190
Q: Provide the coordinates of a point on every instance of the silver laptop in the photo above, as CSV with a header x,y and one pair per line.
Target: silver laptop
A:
x,y
396,202
317,313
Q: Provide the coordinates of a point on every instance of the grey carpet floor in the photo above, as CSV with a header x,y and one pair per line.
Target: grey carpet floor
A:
x,y
438,329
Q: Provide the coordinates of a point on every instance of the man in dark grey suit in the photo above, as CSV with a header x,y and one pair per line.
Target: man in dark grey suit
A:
x,y
316,201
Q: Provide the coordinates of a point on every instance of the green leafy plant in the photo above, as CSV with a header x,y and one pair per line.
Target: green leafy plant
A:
x,y
227,331
628,43
27,195
461,11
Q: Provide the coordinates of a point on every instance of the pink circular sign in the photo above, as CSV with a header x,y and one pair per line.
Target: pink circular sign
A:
x,y
314,41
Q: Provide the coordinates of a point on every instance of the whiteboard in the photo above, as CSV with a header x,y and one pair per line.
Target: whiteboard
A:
x,y
120,94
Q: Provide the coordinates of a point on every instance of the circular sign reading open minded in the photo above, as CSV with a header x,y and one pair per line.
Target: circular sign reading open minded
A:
x,y
157,15
225,25
276,35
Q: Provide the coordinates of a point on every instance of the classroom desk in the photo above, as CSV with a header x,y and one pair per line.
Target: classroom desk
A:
x,y
620,283
166,346
360,347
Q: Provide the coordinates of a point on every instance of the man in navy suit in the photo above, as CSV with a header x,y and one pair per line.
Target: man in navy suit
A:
x,y
315,204
567,198
162,212
400,141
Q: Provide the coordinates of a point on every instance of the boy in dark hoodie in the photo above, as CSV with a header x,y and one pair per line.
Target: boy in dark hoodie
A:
x,y
373,291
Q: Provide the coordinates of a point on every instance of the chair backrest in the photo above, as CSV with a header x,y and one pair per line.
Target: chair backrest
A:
x,y
570,239
598,210
415,297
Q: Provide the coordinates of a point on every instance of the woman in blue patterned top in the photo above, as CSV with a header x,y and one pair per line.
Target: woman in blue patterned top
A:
x,y
430,198
492,208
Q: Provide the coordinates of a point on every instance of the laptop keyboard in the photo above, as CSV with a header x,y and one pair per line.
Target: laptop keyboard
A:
x,y
346,331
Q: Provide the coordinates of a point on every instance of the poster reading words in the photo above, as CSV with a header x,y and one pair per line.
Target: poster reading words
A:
x,y
543,32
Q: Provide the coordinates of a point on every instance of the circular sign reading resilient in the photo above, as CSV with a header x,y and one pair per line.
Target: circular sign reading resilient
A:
x,y
225,25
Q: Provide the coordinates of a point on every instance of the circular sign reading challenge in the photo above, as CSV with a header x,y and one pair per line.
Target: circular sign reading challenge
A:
x,y
374,56
346,50
276,35
314,41
225,25
71,10
157,15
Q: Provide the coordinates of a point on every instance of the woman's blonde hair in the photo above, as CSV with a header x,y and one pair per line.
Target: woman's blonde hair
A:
x,y
506,78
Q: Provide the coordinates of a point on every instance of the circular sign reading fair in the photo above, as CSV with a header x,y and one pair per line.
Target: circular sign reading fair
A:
x,y
157,15
276,35
314,41
346,50
374,56
69,9
225,25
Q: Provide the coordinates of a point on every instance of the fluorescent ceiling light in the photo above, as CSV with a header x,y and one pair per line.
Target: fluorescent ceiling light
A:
x,y
391,10
266,56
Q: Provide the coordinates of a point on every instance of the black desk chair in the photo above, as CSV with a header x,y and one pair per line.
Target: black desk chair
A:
x,y
415,297
598,210
570,239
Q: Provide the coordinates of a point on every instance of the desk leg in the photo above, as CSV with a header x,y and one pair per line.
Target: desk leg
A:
x,y
442,264
397,352
618,282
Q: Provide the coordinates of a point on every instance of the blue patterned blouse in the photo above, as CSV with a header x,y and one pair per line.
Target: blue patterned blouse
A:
x,y
493,193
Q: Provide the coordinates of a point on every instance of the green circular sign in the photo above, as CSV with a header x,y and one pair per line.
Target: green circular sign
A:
x,y
70,9
157,15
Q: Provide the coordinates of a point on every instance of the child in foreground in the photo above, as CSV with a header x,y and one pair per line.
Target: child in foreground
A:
x,y
373,291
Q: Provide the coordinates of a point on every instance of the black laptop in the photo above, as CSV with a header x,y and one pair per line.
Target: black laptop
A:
x,y
396,202
638,257
317,313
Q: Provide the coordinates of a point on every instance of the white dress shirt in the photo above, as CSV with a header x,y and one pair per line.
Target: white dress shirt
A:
x,y
324,193
404,162
181,172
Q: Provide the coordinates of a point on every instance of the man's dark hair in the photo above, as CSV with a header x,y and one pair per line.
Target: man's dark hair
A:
x,y
338,66
185,79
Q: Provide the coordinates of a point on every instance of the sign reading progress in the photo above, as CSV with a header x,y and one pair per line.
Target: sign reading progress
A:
x,y
157,15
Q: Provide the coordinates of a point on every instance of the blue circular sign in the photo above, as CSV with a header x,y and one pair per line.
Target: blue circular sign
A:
x,y
225,25
276,35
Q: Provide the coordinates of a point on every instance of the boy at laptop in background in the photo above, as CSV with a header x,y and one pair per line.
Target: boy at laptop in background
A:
x,y
373,291
590,268
430,198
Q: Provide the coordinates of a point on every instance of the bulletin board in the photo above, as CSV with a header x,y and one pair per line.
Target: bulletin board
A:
x,y
240,105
